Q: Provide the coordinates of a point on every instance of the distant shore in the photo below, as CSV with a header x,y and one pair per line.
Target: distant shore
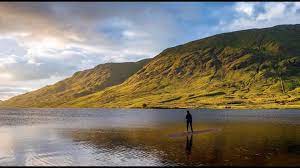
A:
x,y
265,107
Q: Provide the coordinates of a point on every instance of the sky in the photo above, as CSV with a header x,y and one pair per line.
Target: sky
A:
x,y
44,42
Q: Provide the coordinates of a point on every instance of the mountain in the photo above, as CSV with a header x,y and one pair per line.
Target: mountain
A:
x,y
255,68
80,84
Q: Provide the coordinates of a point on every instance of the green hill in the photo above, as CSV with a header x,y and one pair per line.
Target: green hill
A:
x,y
80,84
256,68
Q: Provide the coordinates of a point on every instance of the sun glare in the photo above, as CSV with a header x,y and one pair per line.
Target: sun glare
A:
x,y
6,76
51,43
46,44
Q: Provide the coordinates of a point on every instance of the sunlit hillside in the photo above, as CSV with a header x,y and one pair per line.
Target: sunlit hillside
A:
x,y
256,68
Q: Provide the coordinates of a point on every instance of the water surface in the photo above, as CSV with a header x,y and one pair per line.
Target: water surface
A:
x,y
121,137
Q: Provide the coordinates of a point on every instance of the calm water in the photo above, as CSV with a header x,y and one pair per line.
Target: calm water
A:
x,y
140,137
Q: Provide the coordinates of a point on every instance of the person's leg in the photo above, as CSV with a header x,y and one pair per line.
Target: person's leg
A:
x,y
191,123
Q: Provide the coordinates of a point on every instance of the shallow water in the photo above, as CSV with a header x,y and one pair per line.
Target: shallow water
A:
x,y
141,137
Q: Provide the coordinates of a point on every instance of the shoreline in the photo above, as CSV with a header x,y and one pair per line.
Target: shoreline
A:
x,y
157,107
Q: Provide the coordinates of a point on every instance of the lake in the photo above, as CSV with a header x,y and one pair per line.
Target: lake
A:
x,y
140,137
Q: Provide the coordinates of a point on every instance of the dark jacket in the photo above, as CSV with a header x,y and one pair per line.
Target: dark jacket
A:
x,y
188,117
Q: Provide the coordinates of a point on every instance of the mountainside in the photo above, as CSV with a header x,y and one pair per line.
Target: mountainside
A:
x,y
256,68
80,84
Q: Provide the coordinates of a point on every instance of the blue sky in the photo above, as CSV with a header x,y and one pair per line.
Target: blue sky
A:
x,y
44,42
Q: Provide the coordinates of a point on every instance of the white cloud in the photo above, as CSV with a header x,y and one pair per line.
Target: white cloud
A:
x,y
6,92
6,76
270,14
274,10
244,7
134,34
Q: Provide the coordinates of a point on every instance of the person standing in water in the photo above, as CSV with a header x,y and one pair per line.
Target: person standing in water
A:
x,y
189,120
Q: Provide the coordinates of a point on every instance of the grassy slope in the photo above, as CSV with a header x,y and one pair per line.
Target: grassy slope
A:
x,y
257,68
80,84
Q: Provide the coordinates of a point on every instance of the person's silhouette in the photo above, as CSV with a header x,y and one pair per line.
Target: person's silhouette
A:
x,y
188,147
189,121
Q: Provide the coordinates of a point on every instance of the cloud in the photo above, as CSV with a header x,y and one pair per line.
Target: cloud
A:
x,y
244,7
262,14
6,92
47,40
101,25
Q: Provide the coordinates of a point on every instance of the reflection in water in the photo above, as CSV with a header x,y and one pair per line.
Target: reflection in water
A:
x,y
189,143
246,143
237,144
